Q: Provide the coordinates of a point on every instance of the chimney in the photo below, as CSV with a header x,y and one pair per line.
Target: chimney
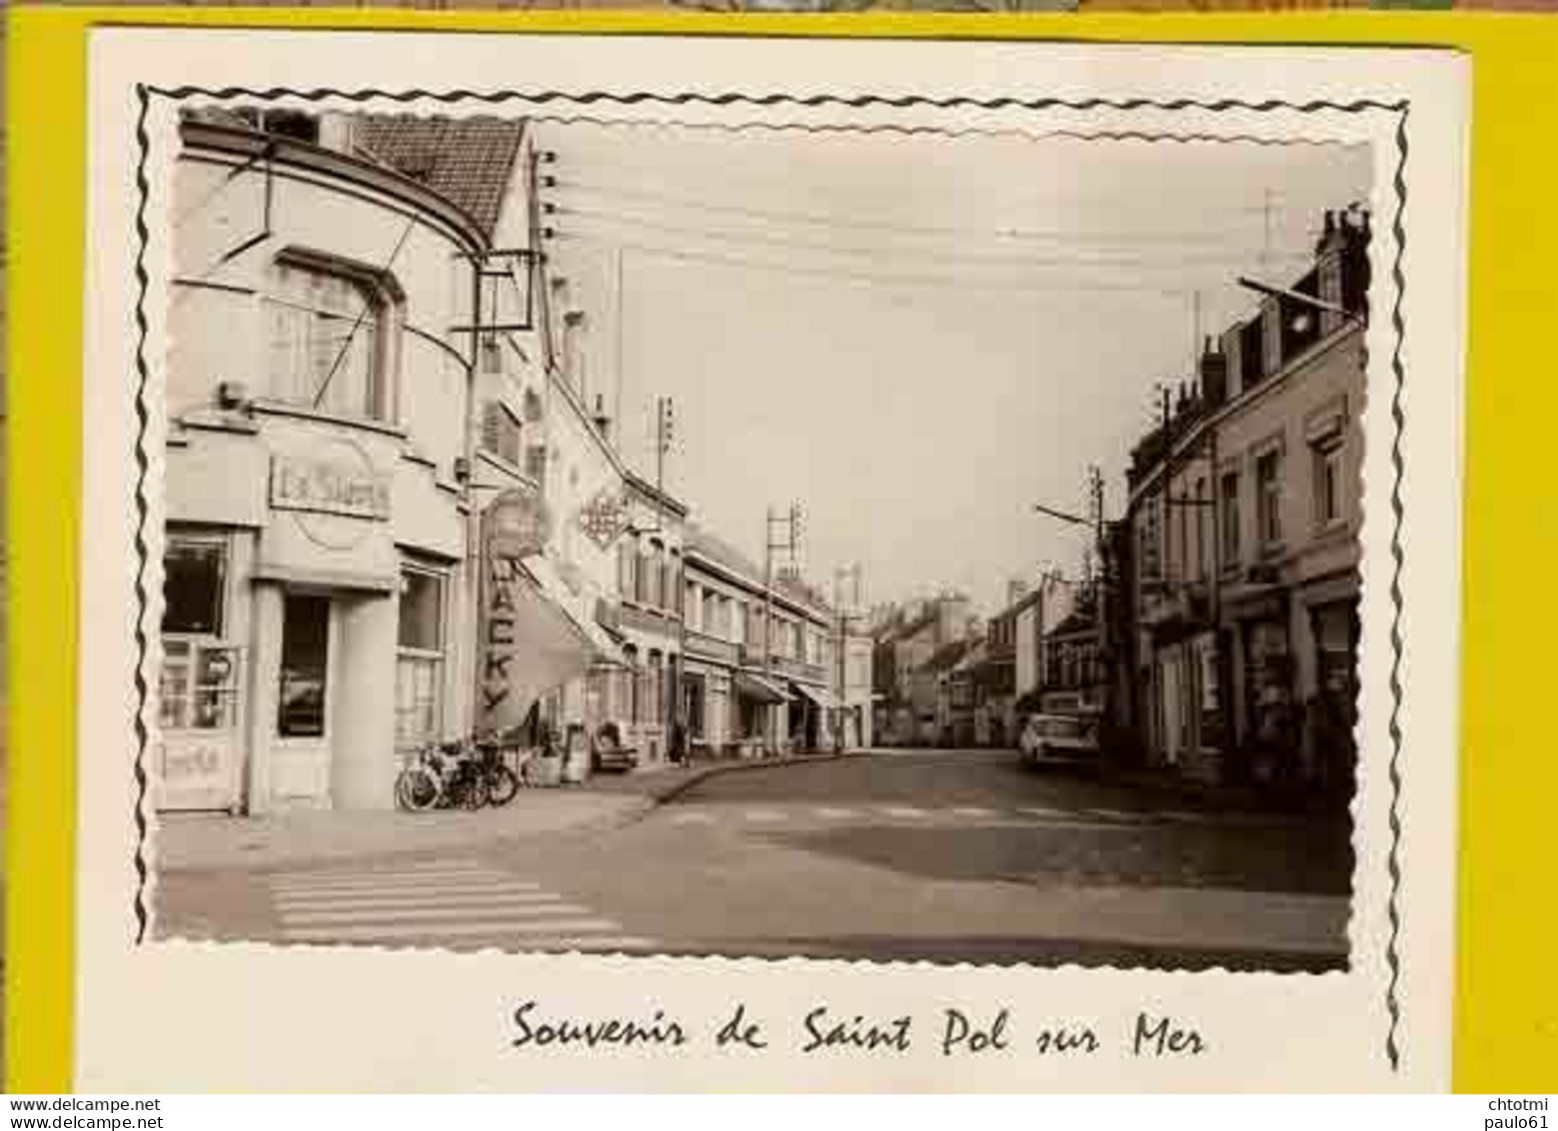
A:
x,y
1016,589
1214,373
602,421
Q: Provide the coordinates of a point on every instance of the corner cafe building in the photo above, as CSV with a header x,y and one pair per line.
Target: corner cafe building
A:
x,y
320,592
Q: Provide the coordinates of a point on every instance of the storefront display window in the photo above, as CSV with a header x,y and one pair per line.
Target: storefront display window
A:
x,y
419,667
199,679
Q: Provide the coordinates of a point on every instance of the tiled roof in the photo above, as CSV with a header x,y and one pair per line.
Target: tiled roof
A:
x,y
468,161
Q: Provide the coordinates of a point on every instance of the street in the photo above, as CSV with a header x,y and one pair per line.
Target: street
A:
x,y
936,855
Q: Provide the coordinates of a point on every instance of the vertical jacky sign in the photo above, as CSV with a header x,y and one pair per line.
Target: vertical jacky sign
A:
x,y
529,644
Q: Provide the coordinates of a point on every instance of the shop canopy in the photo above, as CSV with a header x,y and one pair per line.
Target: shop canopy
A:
x,y
759,689
817,696
605,646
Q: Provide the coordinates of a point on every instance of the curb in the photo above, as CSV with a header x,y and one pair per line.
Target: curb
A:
x,y
696,776
635,807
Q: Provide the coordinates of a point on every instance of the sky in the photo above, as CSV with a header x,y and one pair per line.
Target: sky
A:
x,y
915,339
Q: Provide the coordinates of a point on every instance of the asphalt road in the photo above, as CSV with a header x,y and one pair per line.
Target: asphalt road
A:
x,y
950,856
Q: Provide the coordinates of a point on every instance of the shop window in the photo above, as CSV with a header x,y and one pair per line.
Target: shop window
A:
x,y
419,665
500,433
656,690
194,573
329,347
198,685
305,662
695,699
1268,498
1228,507
597,697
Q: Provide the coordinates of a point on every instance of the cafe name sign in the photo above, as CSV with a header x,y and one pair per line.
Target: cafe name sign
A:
x,y
329,486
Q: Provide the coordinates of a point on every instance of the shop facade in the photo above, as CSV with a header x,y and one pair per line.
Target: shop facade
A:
x,y
316,569
1245,518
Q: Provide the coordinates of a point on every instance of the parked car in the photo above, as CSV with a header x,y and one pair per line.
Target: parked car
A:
x,y
1048,739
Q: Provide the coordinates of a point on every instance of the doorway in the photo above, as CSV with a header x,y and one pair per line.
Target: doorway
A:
x,y
304,700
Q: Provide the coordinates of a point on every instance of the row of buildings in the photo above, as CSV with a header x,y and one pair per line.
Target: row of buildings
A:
x,y
395,509
1219,637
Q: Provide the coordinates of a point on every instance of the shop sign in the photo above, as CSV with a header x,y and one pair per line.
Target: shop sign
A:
x,y
527,645
604,517
516,524
329,486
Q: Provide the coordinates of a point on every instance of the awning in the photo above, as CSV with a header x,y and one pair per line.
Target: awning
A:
x,y
818,696
580,610
754,687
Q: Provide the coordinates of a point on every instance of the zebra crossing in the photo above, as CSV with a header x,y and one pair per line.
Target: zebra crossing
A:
x,y
451,902
772,816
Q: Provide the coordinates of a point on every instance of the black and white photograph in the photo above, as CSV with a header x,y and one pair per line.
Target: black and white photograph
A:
x,y
678,538
885,564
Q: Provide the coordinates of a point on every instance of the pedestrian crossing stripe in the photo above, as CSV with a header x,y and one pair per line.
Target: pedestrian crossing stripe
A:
x,y
434,902
416,914
1083,818
498,928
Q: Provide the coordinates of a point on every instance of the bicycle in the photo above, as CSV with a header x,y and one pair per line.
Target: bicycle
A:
x,y
502,783
443,776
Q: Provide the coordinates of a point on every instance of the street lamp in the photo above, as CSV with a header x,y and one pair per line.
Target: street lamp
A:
x,y
1303,299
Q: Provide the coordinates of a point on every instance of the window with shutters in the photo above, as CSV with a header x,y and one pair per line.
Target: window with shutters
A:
x,y
500,433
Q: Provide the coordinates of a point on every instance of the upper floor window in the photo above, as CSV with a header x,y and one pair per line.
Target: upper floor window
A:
x,y
329,332
1268,497
1252,352
1148,534
1327,448
1228,520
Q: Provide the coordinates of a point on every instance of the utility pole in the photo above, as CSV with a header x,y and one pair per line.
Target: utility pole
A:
x,y
791,524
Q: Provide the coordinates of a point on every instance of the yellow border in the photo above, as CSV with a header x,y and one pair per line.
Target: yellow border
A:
x,y
1507,995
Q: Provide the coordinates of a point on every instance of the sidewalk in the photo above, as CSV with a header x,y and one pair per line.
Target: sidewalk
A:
x,y
210,842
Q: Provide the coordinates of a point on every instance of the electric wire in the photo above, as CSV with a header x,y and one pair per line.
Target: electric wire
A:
x,y
924,280
819,219
1180,261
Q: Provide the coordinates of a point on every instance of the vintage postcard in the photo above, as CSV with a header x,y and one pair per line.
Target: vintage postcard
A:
x,y
725,564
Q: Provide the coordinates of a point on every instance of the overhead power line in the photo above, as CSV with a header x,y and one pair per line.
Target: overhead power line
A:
x,y
1173,261
833,220
1008,285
